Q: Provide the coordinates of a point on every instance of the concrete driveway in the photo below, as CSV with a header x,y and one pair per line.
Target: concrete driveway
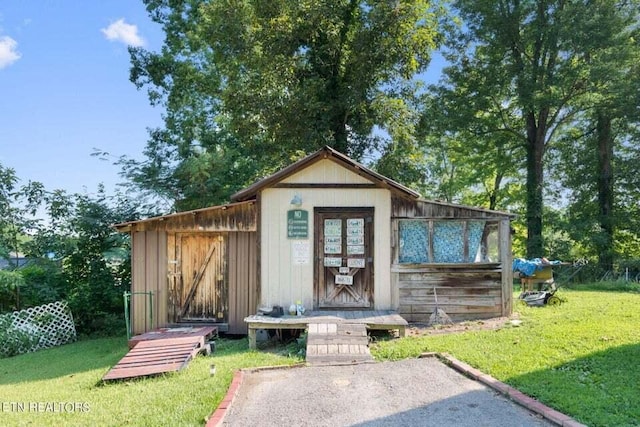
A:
x,y
413,392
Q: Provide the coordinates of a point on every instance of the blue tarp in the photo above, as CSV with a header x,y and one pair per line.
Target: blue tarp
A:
x,y
529,266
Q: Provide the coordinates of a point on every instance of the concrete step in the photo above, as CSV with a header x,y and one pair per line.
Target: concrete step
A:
x,y
332,343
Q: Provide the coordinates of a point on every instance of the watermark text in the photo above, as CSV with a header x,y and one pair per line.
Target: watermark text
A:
x,y
41,407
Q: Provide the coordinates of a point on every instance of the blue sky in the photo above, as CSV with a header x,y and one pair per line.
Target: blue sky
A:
x,y
65,89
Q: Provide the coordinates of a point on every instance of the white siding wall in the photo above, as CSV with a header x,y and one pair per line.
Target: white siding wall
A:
x,y
283,283
326,172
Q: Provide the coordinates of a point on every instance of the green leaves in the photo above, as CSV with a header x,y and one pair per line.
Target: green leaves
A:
x,y
256,82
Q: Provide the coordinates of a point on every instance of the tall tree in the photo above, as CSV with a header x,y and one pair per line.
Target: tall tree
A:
x,y
528,56
473,137
611,49
250,85
616,83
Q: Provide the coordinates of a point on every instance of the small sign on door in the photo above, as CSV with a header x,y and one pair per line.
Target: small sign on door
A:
x,y
332,262
355,262
332,249
355,250
342,279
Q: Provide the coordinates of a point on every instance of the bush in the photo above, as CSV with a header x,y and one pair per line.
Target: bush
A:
x,y
16,340
43,284
107,324
10,281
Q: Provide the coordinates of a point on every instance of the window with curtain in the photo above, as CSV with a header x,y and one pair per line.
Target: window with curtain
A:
x,y
414,242
452,241
448,244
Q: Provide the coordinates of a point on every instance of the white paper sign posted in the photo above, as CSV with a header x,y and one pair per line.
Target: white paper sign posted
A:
x,y
332,262
300,250
355,250
332,249
355,262
344,280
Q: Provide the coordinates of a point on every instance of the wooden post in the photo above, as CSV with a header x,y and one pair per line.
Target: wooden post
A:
x,y
506,257
252,338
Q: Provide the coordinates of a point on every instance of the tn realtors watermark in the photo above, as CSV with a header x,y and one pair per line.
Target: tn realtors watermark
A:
x,y
40,407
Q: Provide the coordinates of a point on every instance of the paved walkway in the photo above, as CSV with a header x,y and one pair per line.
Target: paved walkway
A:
x,y
416,392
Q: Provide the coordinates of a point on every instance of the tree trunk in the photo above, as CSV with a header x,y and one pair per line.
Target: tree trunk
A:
x,y
340,136
493,196
604,242
535,183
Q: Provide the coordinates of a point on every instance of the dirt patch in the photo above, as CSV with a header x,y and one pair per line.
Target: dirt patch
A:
x,y
493,324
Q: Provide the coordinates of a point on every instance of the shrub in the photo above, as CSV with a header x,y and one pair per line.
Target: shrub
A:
x,y
16,340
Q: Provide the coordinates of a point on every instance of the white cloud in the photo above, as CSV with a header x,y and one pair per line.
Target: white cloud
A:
x,y
8,51
123,32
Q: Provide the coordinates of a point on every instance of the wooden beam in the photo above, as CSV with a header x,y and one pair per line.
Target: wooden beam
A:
x,y
324,185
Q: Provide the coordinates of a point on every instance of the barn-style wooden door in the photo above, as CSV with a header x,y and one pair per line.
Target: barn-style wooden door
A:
x,y
198,277
344,258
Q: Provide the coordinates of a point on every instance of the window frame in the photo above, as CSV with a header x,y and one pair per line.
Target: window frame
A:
x,y
493,223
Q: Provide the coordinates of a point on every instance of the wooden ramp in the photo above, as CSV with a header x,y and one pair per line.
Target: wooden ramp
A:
x,y
164,351
337,343
177,332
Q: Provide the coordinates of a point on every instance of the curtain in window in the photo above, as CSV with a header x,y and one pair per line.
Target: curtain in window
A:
x,y
448,245
414,242
474,233
448,241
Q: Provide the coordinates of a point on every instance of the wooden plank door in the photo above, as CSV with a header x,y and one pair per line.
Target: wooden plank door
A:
x,y
201,291
344,258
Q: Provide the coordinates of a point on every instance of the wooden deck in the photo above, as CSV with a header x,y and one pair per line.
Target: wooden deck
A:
x,y
160,351
378,320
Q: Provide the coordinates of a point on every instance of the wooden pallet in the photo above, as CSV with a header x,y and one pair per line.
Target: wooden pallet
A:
x,y
177,332
159,354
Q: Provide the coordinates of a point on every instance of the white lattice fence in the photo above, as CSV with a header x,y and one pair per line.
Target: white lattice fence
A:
x,y
35,328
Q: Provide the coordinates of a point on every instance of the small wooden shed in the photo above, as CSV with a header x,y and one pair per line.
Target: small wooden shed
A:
x,y
328,233
200,267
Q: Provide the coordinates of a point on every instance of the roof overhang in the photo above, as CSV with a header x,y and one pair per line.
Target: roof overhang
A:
x,y
125,227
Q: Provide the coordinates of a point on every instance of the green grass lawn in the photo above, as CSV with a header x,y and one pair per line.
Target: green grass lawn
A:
x,y
72,374
581,358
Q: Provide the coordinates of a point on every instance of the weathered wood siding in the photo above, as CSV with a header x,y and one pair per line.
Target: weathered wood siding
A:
x,y
228,291
407,208
169,249
282,282
148,274
198,277
232,217
464,291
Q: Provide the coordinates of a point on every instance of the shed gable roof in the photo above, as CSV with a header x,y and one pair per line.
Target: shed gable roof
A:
x,y
330,154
